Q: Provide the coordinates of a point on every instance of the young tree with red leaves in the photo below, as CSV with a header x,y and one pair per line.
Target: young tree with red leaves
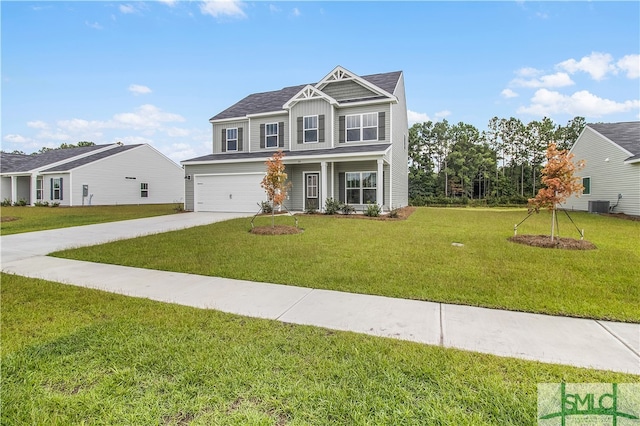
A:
x,y
275,182
559,180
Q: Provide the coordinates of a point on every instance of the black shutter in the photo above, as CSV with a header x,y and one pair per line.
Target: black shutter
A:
x,y
239,138
262,136
61,189
381,126
281,134
51,190
224,140
300,129
341,129
321,128
341,187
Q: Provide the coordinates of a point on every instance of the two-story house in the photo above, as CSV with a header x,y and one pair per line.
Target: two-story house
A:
x,y
345,137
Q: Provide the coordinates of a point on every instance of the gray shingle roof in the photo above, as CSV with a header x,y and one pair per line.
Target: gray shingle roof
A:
x,y
352,149
626,135
90,159
15,163
274,101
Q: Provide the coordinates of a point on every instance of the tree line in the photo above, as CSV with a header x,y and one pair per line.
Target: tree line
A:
x,y
455,163
62,146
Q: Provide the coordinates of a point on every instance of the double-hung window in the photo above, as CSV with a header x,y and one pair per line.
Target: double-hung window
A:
x,y
144,190
271,135
362,127
232,139
361,187
311,129
56,189
39,188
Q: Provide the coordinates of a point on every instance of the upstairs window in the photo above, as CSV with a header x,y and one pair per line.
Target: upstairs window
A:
x,y
311,129
362,127
232,139
271,135
144,190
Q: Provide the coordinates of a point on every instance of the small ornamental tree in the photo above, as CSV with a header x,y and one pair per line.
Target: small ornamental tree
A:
x,y
275,182
559,181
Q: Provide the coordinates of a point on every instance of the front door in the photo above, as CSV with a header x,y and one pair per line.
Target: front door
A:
x,y
312,191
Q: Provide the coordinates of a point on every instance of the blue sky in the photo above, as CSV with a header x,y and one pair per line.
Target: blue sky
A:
x,y
155,72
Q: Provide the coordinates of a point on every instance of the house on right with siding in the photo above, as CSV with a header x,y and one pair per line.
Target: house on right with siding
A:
x,y
611,175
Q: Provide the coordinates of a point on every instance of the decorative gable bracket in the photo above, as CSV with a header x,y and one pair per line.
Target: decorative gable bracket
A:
x,y
341,74
309,93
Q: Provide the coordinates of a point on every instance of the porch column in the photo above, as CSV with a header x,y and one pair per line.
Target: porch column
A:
x,y
14,189
323,185
32,188
380,183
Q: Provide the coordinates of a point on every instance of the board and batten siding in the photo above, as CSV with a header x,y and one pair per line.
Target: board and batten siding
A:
x,y
217,134
209,169
306,108
608,178
346,90
363,109
400,148
116,179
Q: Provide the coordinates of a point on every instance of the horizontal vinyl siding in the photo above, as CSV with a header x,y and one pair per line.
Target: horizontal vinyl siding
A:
x,y
362,110
608,178
296,177
217,134
255,131
66,186
206,169
399,148
306,108
345,90
108,184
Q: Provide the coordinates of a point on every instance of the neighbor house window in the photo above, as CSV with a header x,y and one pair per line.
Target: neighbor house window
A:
x,y
144,190
361,187
311,129
362,127
39,188
586,182
232,139
271,135
56,189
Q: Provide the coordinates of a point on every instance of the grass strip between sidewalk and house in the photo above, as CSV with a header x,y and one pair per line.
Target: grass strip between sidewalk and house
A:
x,y
414,259
72,355
16,220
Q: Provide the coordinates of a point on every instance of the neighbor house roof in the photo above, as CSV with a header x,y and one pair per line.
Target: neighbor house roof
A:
x,y
352,149
626,135
90,159
17,163
274,101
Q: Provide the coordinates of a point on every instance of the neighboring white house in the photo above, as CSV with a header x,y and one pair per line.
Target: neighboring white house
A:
x,y
344,137
612,171
92,175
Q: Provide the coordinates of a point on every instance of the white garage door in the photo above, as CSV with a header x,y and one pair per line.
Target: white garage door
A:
x,y
229,193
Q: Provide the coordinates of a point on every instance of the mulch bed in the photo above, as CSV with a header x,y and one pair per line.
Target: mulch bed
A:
x,y
403,214
8,218
276,230
622,216
545,242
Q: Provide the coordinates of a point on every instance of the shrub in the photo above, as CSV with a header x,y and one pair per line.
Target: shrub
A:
x,y
179,208
41,204
311,210
5,203
347,209
20,203
266,207
394,213
332,206
372,210
55,204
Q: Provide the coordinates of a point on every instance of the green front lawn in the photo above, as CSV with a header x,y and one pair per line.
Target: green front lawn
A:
x,y
414,259
77,356
28,219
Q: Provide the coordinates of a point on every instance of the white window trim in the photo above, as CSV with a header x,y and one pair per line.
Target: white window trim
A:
x,y
40,191
232,139
590,185
267,135
56,197
304,129
361,188
144,188
361,128
317,185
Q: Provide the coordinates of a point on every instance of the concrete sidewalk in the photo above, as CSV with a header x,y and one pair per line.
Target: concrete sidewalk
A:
x,y
579,342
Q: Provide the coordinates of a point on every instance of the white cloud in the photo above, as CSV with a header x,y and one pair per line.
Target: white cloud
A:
x,y
218,8
416,117
443,114
95,25
582,103
170,3
508,93
296,12
37,124
138,89
630,64
177,132
127,8
528,72
17,139
273,8
146,117
559,79
597,65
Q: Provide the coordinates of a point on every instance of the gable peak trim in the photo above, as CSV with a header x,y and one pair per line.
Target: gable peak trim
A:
x,y
309,92
342,74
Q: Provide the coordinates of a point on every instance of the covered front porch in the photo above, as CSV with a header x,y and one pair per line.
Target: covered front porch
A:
x,y
17,188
